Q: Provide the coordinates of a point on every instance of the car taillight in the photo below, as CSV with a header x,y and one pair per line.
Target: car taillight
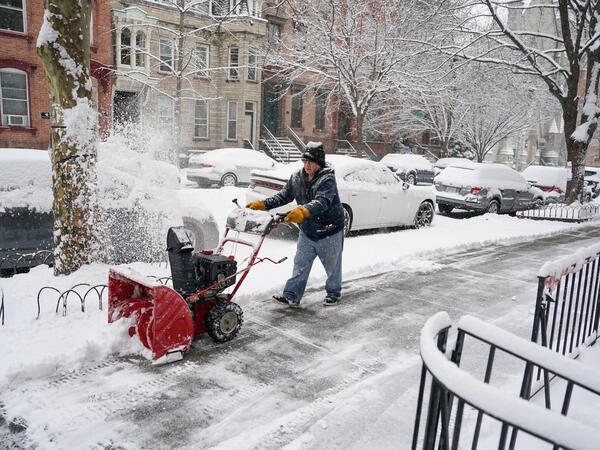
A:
x,y
476,190
266,184
206,165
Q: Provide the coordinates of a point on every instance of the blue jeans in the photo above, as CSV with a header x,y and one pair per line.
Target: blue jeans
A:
x,y
329,251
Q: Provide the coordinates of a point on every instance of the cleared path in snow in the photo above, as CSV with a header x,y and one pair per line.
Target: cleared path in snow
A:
x,y
341,377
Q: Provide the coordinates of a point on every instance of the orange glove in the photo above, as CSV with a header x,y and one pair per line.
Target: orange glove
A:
x,y
297,215
260,205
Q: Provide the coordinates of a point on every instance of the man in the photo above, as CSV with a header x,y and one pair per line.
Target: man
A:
x,y
320,217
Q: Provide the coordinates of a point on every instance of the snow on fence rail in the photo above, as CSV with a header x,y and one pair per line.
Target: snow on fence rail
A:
x,y
459,402
565,213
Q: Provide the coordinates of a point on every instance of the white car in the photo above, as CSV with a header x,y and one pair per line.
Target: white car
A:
x,y
411,168
372,196
227,166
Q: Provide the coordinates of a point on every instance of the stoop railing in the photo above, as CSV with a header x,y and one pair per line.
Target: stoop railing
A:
x,y
464,411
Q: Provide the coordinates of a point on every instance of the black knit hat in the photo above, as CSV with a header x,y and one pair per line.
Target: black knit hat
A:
x,y
315,153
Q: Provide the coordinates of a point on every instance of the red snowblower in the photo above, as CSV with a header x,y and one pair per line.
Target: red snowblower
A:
x,y
167,319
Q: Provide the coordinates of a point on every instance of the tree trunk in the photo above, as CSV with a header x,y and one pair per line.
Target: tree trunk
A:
x,y
64,48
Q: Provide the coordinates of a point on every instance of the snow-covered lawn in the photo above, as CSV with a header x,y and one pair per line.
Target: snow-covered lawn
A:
x,y
36,349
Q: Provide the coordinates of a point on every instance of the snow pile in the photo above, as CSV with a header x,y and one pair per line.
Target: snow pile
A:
x,y
25,179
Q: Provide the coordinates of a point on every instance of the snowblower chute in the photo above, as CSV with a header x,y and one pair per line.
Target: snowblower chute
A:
x,y
163,319
168,319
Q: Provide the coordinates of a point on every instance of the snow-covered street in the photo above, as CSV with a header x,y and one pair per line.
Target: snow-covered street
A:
x,y
343,377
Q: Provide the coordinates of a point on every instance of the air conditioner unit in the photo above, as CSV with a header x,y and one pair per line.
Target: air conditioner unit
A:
x,y
16,121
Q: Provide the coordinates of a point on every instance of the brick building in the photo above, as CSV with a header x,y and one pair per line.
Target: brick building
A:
x,y
24,102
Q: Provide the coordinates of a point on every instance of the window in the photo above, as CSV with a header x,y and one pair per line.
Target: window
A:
x,y
13,94
201,119
165,113
126,46
12,15
234,62
274,33
202,60
252,64
140,49
320,111
297,108
254,8
166,54
232,120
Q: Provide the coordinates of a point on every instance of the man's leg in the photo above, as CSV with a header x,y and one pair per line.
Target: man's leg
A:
x,y
329,250
305,255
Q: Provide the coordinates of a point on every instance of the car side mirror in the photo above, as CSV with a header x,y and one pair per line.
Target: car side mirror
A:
x,y
405,185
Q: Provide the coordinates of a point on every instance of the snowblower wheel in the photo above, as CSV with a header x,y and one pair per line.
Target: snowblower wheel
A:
x,y
223,321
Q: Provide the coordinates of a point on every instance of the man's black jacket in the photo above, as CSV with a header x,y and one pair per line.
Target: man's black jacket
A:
x,y
320,196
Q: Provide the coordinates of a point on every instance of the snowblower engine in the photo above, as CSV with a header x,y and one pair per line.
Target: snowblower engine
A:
x,y
194,272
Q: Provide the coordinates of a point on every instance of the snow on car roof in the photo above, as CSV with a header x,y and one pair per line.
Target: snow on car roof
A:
x,y
227,154
342,164
404,161
488,175
547,176
25,179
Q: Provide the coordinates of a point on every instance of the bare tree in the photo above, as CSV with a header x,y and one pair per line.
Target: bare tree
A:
x,y
559,46
64,48
350,49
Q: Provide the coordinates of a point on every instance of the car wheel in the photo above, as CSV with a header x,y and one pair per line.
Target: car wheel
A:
x,y
493,207
347,219
204,235
424,215
229,179
538,203
445,209
411,178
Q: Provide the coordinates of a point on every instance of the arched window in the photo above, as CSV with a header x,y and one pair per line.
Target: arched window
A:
x,y
140,49
126,46
14,99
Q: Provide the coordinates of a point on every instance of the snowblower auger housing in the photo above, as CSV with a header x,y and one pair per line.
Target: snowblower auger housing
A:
x,y
166,320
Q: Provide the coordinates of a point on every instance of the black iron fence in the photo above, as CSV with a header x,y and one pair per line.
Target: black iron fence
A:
x,y
567,304
463,410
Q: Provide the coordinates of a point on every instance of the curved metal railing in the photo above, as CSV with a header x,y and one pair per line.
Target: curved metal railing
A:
x,y
452,389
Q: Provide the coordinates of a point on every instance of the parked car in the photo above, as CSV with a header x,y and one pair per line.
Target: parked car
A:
x,y
591,177
480,187
413,169
372,196
138,202
551,180
227,166
442,163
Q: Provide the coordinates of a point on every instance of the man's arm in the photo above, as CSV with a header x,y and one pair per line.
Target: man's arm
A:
x,y
283,197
